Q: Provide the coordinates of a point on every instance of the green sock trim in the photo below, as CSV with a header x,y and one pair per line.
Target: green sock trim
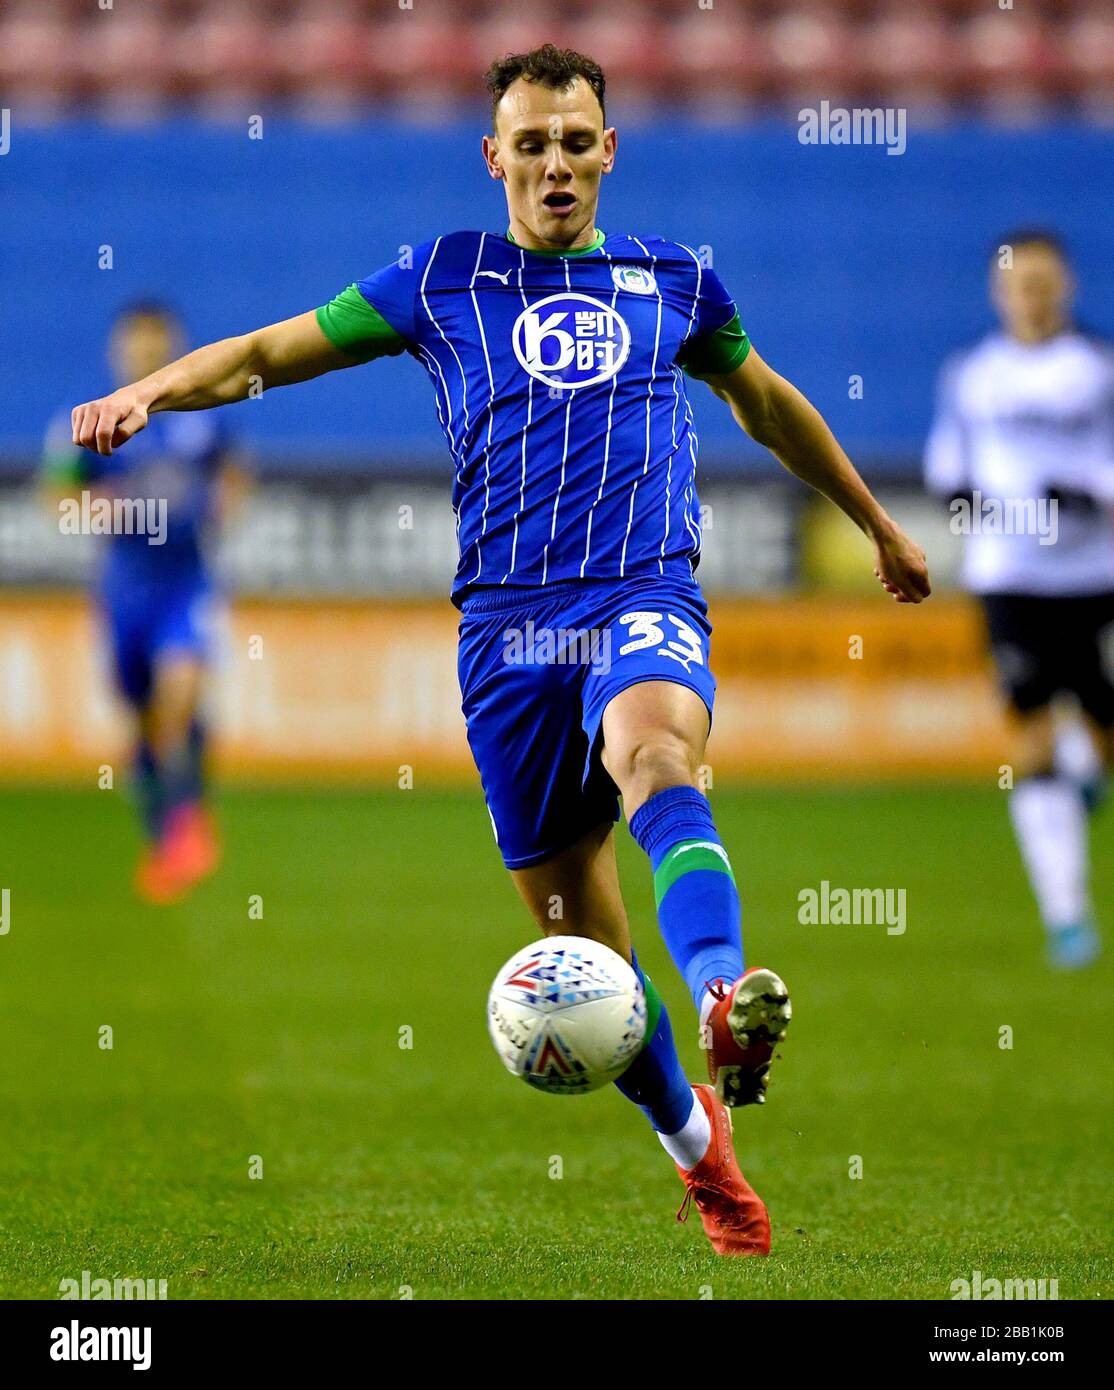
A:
x,y
686,858
653,1008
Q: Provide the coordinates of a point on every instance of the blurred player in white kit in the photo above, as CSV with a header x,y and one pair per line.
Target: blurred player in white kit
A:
x,y
1023,447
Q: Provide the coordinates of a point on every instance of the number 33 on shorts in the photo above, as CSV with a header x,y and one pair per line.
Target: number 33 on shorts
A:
x,y
646,631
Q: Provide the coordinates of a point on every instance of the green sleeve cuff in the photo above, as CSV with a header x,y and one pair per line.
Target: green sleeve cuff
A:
x,y
352,325
715,354
64,468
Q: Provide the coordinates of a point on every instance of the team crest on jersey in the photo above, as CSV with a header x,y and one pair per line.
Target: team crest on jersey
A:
x,y
634,278
570,340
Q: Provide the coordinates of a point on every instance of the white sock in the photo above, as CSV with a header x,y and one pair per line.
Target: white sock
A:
x,y
706,1005
689,1145
1050,822
1074,754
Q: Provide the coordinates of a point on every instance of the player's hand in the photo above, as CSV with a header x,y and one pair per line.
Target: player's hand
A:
x,y
901,568
106,424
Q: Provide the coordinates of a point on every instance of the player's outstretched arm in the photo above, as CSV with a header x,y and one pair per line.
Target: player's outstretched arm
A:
x,y
279,355
775,414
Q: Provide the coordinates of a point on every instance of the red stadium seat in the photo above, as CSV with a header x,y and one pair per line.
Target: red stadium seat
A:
x,y
348,51
513,29
1089,44
224,53
627,43
713,51
320,52
1007,58
908,55
413,51
812,53
127,60
37,57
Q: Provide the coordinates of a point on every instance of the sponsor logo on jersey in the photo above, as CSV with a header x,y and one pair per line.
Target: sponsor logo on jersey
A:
x,y
634,278
570,340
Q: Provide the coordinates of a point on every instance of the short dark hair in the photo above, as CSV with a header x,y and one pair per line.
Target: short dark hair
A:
x,y
1033,236
551,66
148,309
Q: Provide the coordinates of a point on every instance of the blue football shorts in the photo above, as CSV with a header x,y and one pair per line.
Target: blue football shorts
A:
x,y
537,669
147,625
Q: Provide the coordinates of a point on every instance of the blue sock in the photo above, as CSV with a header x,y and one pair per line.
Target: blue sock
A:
x,y
698,903
148,789
183,770
194,787
654,1080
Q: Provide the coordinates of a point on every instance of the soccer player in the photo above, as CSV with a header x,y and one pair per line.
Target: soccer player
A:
x,y
155,595
557,355
1024,441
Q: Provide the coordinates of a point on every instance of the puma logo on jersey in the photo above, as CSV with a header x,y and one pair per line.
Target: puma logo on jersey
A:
x,y
495,275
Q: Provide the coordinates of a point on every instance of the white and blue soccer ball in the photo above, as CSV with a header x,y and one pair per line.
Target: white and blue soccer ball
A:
x,y
567,1015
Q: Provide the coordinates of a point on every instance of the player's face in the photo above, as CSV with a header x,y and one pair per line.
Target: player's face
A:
x,y
142,344
551,149
1033,296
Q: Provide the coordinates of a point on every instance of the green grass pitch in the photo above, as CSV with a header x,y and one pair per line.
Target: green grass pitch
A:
x,y
388,1169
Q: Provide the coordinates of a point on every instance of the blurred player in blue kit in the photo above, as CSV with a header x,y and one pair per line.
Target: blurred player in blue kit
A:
x,y
557,356
155,595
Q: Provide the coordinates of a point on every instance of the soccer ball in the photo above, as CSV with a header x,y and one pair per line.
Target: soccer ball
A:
x,y
567,1015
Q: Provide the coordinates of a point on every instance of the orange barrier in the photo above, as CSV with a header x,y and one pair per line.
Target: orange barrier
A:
x,y
808,687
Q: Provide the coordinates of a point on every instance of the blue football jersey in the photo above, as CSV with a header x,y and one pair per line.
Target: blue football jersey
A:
x,y
560,391
173,461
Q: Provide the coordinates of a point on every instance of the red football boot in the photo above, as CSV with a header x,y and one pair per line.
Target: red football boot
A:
x,y
190,843
740,1025
734,1216
188,852
156,880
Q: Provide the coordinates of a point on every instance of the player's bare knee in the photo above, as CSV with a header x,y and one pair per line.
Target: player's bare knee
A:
x,y
166,731
652,763
1034,750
